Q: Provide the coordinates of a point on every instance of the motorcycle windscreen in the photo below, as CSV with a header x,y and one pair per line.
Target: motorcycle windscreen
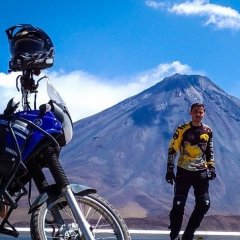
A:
x,y
64,117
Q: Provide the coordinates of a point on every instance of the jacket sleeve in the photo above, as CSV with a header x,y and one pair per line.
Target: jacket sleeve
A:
x,y
174,145
209,151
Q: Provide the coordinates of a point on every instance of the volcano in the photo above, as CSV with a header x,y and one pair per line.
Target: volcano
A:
x,y
122,151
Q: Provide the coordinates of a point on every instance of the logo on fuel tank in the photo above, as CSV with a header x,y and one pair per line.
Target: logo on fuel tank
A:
x,y
38,122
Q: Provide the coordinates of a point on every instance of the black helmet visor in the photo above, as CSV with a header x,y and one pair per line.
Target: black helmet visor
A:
x,y
27,45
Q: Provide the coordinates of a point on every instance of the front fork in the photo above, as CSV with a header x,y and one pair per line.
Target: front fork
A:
x,y
77,213
63,184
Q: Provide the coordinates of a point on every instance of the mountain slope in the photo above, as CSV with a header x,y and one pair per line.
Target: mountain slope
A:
x,y
122,151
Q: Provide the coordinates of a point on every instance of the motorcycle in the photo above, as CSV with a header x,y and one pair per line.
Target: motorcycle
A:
x,y
31,141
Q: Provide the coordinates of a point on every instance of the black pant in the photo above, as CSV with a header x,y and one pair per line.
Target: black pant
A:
x,y
200,183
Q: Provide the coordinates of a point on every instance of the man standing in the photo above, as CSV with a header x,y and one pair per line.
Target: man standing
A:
x,y
195,167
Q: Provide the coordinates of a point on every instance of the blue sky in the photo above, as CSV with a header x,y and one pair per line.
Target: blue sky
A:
x,y
108,50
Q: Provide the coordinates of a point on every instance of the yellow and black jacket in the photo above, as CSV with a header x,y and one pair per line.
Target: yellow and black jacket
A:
x,y
195,147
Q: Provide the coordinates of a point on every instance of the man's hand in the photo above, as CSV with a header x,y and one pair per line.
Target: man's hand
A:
x,y
170,176
211,173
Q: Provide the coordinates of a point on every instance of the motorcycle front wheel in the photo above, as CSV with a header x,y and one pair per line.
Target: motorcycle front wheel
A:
x,y
54,220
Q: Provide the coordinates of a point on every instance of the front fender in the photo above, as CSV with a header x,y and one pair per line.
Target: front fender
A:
x,y
78,189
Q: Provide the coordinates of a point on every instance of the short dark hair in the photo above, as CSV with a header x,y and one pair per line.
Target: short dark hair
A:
x,y
197,105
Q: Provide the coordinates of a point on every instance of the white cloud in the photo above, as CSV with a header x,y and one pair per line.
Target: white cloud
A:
x,y
164,70
217,15
8,87
155,5
86,94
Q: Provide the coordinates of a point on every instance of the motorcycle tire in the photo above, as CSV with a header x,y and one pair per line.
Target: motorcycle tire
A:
x,y
54,220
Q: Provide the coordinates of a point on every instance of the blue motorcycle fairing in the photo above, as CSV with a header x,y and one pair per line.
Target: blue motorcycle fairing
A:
x,y
47,122
78,189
